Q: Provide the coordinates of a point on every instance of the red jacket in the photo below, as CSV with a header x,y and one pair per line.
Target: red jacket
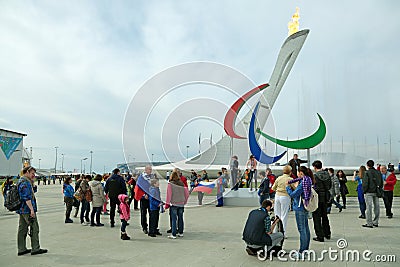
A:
x,y
390,182
184,180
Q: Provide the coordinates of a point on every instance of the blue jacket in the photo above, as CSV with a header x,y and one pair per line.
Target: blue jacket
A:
x,y
154,198
68,191
25,191
295,194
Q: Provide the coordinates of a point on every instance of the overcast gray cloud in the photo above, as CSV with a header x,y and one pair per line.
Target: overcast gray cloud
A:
x,y
69,69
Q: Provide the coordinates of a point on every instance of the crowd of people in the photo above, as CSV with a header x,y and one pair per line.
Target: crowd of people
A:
x,y
290,191
295,192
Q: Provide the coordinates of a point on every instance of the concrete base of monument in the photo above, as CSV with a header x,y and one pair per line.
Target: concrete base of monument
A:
x,y
242,197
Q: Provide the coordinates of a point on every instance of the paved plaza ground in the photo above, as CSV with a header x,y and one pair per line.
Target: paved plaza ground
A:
x,y
212,237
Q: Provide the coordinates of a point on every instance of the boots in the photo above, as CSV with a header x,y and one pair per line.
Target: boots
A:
x,y
124,236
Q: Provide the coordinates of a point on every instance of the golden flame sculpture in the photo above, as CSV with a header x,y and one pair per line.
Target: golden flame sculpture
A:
x,y
293,26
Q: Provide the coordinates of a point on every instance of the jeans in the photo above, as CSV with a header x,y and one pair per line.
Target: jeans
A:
x,y
144,209
388,200
95,211
361,200
123,225
281,209
343,197
220,199
333,201
304,230
113,203
85,209
372,199
176,214
321,222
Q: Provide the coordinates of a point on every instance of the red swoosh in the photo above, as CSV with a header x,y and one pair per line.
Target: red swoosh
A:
x,y
231,115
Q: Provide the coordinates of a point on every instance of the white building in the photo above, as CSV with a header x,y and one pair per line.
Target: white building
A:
x,y
13,156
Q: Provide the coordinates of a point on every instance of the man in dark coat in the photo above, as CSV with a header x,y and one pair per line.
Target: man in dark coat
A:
x,y
115,185
295,164
322,186
258,231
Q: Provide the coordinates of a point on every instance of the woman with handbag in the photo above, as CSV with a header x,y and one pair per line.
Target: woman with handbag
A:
x,y
85,205
98,199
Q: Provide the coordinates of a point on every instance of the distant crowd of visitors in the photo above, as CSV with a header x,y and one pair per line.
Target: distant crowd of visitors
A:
x,y
297,189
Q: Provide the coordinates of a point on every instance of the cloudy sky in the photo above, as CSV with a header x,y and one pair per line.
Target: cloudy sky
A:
x,y
69,69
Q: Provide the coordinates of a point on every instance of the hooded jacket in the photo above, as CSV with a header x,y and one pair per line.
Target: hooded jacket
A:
x,y
335,189
322,185
124,208
98,198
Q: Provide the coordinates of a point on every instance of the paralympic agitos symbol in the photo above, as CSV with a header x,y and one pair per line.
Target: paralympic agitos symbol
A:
x,y
308,142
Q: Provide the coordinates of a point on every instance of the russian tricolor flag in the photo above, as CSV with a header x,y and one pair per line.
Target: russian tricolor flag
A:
x,y
205,187
142,187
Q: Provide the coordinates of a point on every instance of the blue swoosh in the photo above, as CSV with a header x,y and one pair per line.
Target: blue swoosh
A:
x,y
255,148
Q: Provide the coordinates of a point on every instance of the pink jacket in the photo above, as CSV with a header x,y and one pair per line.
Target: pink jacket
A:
x,y
124,208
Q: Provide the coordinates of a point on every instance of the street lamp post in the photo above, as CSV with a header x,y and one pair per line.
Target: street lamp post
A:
x,y
62,162
91,160
152,157
55,165
81,163
187,152
39,163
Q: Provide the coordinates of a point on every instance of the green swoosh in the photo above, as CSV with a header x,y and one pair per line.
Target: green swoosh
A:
x,y
305,143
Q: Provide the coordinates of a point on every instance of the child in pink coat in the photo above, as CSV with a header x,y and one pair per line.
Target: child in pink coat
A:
x,y
125,214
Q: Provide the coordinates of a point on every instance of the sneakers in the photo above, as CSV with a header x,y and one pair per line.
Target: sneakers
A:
x,y
68,220
40,251
179,235
152,235
99,224
169,231
250,251
361,216
171,237
145,231
158,233
112,225
84,223
368,226
24,252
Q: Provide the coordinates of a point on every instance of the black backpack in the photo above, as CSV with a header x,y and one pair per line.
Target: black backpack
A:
x,y
13,201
